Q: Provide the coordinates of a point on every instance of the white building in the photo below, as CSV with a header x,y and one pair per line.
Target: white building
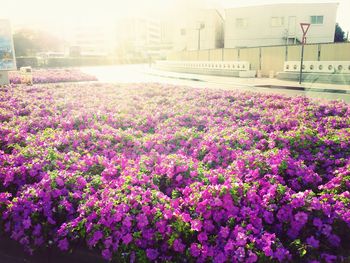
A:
x,y
92,39
201,29
279,24
138,37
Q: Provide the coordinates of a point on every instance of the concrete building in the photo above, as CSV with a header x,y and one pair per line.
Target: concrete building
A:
x,y
138,37
279,24
94,40
201,29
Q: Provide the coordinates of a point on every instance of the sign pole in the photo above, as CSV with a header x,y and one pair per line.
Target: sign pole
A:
x,y
301,63
304,27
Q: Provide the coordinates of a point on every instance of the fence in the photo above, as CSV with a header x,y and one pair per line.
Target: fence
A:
x,y
267,59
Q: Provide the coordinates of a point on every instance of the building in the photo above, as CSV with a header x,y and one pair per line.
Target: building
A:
x,y
93,40
202,29
279,24
138,38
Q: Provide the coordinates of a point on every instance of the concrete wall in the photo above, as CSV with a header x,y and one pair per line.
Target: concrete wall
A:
x,y
310,53
230,54
272,59
335,52
252,55
216,55
269,59
203,55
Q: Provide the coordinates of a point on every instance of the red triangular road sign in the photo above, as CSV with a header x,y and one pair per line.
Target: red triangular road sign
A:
x,y
305,27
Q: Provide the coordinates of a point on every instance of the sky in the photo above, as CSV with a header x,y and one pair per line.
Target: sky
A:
x,y
60,15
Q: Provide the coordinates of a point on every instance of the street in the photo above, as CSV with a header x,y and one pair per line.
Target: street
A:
x,y
144,74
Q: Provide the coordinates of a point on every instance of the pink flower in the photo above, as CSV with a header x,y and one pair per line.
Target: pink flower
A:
x,y
196,225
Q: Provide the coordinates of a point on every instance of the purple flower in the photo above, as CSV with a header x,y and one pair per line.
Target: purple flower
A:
x,y
329,258
127,239
240,253
95,238
224,232
142,221
203,175
152,254
281,254
106,253
27,223
229,246
178,245
301,218
63,244
195,251
334,240
219,258
312,241
317,223
268,216
202,237
252,257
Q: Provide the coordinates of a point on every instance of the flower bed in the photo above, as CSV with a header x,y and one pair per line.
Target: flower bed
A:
x,y
150,172
53,76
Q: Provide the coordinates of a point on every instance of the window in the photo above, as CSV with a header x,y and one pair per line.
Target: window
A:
x,y
183,31
277,21
318,20
241,22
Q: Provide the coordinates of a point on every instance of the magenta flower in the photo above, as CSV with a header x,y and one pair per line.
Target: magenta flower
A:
x,y
202,237
127,239
172,173
195,251
196,225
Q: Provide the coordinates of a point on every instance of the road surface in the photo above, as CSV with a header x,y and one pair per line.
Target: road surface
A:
x,y
142,73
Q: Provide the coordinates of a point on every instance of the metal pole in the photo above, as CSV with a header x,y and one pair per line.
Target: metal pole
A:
x,y
304,27
199,39
301,63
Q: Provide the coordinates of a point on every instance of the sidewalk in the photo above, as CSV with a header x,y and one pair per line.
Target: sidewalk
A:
x,y
253,82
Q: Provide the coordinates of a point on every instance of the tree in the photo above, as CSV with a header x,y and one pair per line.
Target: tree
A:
x,y
27,42
339,35
23,44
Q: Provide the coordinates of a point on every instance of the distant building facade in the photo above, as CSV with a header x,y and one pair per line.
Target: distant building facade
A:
x,y
279,24
139,38
202,29
92,40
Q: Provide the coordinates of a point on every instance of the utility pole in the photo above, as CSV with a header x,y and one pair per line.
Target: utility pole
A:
x,y
199,28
